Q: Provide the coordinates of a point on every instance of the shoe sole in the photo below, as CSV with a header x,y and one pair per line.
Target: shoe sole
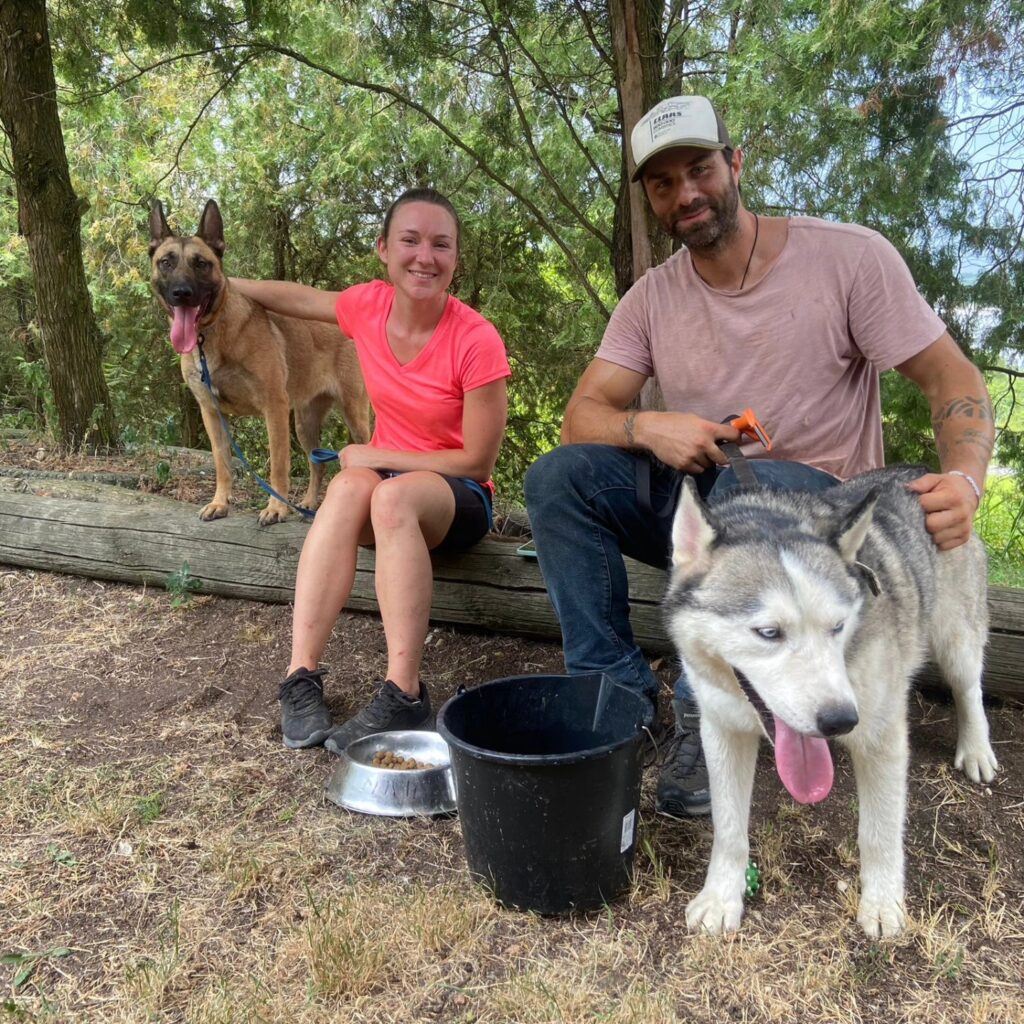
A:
x,y
315,739
680,811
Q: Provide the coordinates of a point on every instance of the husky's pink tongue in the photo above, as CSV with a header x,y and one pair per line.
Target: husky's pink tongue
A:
x,y
183,328
804,764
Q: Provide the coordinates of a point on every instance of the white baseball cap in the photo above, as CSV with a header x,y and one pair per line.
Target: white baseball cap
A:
x,y
679,121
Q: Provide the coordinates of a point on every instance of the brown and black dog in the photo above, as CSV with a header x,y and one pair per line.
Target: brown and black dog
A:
x,y
260,363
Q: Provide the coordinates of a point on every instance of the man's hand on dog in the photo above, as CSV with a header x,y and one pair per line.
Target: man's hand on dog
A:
x,y
949,503
683,440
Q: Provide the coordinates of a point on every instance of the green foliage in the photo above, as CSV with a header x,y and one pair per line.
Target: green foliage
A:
x,y
26,963
181,585
1000,524
304,120
148,808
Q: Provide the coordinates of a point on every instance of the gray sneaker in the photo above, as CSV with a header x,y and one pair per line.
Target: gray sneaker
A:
x,y
305,720
389,710
683,790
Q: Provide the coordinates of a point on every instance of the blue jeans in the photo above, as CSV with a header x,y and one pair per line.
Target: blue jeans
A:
x,y
584,513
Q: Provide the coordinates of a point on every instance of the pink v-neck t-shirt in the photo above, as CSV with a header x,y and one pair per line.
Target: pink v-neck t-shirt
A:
x,y
803,347
418,406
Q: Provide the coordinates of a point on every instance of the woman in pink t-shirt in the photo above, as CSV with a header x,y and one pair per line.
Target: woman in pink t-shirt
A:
x,y
436,374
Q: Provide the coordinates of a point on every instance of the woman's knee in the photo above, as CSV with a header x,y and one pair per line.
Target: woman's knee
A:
x,y
401,501
349,491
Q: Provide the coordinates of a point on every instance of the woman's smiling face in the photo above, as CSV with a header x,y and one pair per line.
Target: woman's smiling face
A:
x,y
421,249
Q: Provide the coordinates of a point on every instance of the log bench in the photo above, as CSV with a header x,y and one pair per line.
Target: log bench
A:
x,y
107,532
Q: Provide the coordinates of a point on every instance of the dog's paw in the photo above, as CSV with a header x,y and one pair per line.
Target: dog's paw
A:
x,y
881,917
976,761
215,510
713,913
275,512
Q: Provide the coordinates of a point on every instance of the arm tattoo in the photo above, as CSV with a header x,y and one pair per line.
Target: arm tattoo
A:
x,y
627,427
968,407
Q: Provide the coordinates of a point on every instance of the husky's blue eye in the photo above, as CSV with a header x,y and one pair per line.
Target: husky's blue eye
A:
x,y
768,632
838,628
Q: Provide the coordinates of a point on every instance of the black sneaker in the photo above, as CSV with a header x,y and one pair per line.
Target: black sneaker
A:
x,y
389,710
683,790
305,720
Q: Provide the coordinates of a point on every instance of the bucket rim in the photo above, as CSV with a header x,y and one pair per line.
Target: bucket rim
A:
x,y
530,760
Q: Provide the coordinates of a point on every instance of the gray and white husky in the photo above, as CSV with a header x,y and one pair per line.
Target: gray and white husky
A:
x,y
804,617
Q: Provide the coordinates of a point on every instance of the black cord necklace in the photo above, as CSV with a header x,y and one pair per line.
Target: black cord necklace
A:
x,y
746,269
757,227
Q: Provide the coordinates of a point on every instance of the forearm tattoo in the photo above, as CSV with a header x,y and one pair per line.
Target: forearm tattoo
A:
x,y
979,436
627,427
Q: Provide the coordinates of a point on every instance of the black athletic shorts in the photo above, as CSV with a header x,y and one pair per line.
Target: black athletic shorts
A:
x,y
473,516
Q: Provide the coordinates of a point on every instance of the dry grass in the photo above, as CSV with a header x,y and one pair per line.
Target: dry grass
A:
x,y
190,869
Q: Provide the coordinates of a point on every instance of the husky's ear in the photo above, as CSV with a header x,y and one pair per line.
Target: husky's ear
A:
x,y
692,532
211,228
849,533
159,229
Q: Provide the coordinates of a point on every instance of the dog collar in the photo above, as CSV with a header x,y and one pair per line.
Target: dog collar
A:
x,y
869,576
763,714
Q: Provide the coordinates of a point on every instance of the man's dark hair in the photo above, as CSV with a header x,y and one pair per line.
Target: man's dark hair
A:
x,y
422,195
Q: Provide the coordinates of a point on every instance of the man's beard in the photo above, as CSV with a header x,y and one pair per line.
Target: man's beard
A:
x,y
713,233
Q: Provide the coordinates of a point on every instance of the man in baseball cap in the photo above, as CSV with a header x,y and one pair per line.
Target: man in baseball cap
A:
x,y
679,121
794,317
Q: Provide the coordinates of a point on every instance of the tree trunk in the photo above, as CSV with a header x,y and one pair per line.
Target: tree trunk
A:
x,y
638,46
49,215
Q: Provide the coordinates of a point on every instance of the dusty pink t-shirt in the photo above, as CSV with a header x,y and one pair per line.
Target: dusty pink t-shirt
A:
x,y
803,347
418,406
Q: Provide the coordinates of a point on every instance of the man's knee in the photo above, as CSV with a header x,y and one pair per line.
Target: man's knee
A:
x,y
551,476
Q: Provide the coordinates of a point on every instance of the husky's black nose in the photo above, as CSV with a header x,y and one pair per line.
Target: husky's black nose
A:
x,y
837,720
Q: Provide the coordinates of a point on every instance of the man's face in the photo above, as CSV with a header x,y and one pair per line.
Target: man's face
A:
x,y
694,194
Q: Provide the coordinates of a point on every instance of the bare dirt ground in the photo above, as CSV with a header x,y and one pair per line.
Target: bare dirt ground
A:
x,y
164,858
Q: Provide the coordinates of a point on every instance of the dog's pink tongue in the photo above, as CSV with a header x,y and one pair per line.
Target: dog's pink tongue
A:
x,y
183,328
804,764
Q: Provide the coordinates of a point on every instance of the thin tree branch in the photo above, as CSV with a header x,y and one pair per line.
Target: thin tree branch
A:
x,y
456,140
524,124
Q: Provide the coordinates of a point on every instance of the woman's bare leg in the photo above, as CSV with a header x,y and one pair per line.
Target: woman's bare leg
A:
x,y
410,514
327,565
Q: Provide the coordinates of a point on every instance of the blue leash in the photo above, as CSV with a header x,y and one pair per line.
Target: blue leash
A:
x,y
306,513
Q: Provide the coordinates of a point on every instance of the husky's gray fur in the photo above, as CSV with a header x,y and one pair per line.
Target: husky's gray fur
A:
x,y
780,588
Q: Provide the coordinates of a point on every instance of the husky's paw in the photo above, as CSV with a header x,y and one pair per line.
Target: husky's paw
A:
x,y
713,913
275,512
976,760
881,917
215,510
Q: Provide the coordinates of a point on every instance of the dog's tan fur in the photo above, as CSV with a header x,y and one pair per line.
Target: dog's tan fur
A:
x,y
260,363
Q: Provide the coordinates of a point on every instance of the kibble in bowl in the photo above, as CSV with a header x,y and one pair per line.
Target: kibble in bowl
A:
x,y
389,759
406,772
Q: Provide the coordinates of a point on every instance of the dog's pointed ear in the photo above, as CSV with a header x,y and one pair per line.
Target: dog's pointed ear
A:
x,y
159,229
692,532
211,228
850,532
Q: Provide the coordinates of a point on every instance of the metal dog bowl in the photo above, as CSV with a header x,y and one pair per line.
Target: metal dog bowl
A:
x,y
358,785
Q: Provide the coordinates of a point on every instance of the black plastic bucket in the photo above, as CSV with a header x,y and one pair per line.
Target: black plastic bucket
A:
x,y
547,780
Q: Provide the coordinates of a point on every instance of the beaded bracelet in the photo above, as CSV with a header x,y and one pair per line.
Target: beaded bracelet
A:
x,y
970,479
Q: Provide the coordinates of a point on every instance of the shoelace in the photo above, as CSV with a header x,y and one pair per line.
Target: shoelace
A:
x,y
305,694
683,753
381,708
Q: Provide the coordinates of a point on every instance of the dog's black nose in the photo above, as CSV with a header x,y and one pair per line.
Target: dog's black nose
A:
x,y
181,291
837,720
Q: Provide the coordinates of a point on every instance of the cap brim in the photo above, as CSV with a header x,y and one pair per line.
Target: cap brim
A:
x,y
676,144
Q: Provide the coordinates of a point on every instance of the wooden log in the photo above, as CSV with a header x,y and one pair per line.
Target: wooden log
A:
x,y
106,532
